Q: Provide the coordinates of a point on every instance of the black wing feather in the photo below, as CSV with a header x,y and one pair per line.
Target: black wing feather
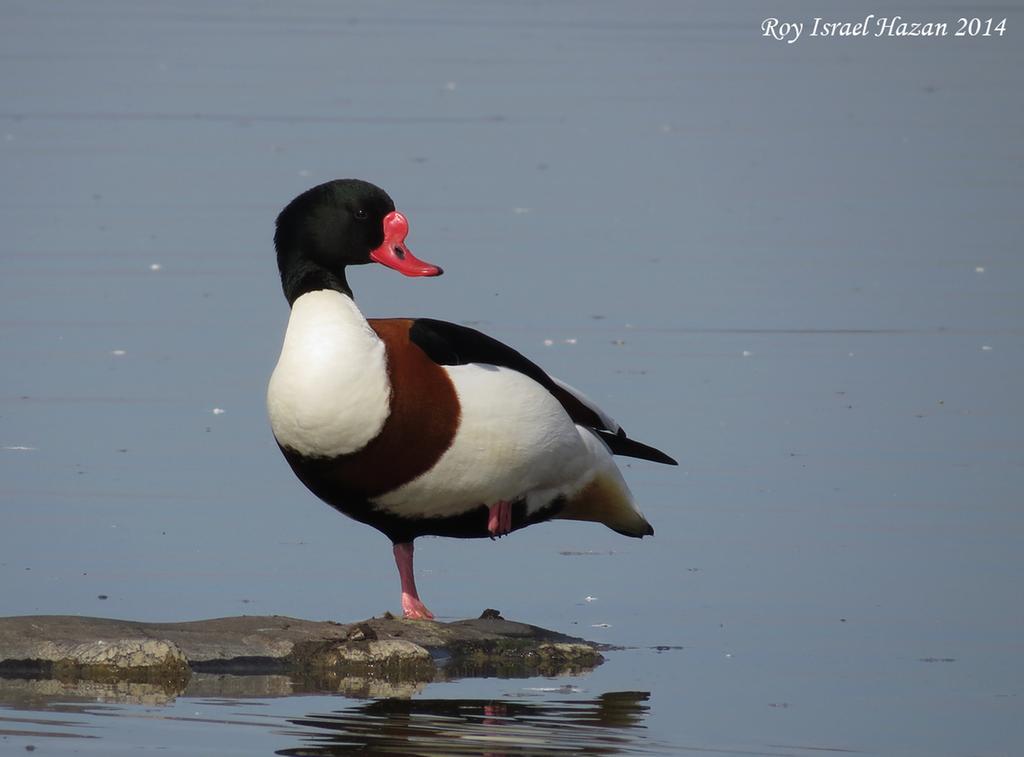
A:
x,y
620,444
451,344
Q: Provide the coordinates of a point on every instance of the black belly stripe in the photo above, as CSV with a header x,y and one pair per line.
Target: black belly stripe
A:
x,y
471,524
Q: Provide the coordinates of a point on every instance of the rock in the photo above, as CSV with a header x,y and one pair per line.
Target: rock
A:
x,y
385,653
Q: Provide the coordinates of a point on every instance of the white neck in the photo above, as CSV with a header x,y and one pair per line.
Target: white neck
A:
x,y
329,394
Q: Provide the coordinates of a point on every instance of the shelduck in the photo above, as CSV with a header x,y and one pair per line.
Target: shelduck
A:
x,y
416,426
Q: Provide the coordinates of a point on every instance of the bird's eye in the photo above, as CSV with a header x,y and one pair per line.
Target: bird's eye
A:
x,y
360,214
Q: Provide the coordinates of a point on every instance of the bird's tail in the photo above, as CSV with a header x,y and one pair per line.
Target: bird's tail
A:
x,y
604,497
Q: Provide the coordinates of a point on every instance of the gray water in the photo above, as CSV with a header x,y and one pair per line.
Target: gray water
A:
x,y
796,268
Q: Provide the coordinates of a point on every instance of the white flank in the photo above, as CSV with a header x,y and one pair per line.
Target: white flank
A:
x,y
514,440
329,394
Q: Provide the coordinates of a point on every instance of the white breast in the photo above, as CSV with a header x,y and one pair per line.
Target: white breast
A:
x,y
329,394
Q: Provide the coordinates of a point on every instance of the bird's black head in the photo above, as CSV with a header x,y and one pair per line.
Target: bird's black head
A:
x,y
341,223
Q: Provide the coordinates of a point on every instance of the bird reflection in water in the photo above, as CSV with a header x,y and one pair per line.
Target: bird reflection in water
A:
x,y
610,724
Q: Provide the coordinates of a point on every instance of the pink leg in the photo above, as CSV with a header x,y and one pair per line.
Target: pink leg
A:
x,y
499,521
412,607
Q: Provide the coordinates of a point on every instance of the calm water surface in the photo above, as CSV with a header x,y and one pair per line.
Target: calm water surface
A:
x,y
796,268
537,720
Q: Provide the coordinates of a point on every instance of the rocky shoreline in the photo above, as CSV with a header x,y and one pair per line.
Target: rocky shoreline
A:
x,y
288,655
